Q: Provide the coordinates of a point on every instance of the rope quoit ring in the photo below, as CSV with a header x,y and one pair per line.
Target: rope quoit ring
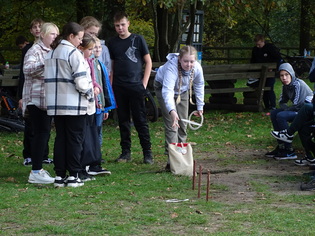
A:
x,y
192,124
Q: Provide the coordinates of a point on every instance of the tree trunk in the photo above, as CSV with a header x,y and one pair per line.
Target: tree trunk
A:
x,y
192,17
156,55
169,28
163,26
305,26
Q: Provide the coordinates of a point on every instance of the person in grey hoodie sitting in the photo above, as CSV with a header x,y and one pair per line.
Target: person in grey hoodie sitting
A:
x,y
172,85
297,92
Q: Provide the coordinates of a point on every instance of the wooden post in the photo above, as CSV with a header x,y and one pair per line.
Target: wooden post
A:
x,y
194,176
208,185
199,183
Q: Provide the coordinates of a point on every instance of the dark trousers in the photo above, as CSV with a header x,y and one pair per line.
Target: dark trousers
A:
x,y
91,154
41,125
269,97
130,102
27,140
70,134
302,123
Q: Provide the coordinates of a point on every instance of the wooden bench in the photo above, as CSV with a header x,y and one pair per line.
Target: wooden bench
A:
x,y
220,83
10,78
221,79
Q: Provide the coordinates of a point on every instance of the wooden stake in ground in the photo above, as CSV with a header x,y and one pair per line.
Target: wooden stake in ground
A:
x,y
208,185
194,176
199,183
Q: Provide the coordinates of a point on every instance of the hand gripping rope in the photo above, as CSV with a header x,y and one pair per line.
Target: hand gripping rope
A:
x,y
192,124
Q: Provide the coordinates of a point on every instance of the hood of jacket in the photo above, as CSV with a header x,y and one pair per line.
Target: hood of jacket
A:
x,y
288,68
172,58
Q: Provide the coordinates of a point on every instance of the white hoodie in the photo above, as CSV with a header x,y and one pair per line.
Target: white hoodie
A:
x,y
167,75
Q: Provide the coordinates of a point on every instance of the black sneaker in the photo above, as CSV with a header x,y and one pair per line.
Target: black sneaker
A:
x,y
308,186
48,161
74,182
27,161
282,135
147,157
98,170
84,176
124,157
60,182
305,162
286,155
273,153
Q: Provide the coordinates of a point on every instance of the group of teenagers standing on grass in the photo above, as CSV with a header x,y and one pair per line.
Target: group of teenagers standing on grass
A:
x,y
69,81
75,80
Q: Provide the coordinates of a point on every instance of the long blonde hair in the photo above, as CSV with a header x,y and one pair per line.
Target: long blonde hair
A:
x,y
188,49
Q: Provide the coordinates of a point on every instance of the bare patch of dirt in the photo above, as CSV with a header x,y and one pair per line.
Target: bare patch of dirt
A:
x,y
236,183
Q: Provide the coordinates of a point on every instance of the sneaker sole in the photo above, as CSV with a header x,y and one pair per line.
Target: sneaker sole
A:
x,y
88,179
298,164
99,173
305,164
286,158
75,185
270,156
59,185
39,182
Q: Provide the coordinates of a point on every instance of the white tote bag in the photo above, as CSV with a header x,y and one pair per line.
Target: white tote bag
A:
x,y
181,158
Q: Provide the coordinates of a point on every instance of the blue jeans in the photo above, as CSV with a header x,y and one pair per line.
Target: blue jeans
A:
x,y
279,119
99,123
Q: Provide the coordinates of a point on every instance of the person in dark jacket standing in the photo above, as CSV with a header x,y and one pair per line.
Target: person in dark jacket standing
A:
x,y
266,53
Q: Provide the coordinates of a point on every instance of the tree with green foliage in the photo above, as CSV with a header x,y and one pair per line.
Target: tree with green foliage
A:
x,y
169,25
287,23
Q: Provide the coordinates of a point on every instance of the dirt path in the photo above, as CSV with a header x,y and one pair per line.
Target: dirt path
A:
x,y
238,178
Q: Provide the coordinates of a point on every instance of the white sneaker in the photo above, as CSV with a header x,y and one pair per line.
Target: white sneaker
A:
x,y
42,177
283,136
